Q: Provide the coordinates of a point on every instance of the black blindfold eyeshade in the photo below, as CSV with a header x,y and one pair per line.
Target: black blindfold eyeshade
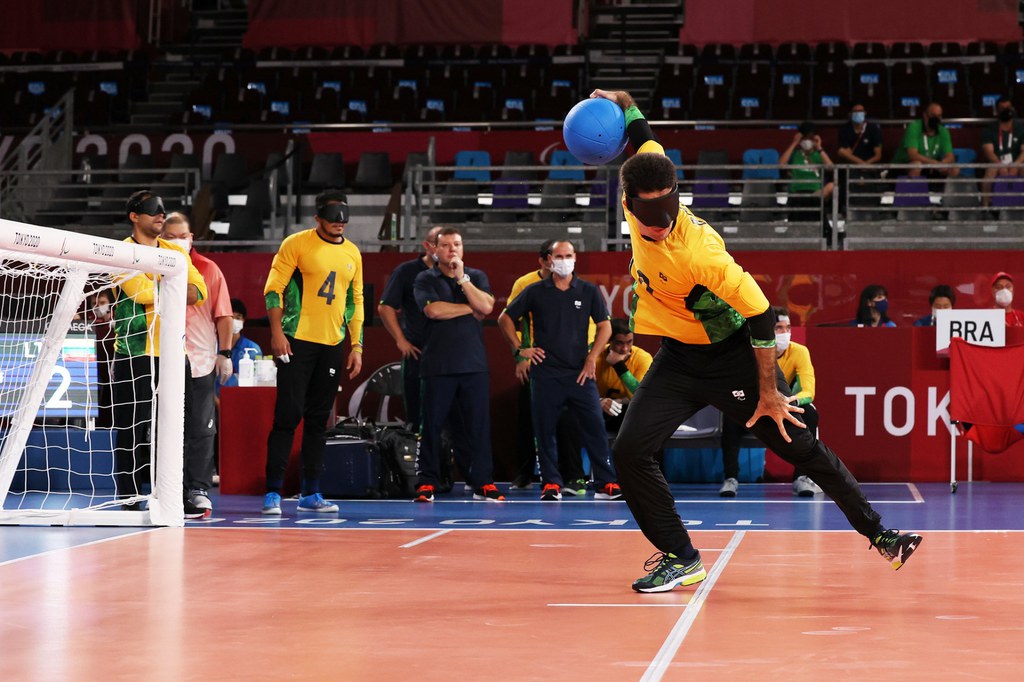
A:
x,y
657,212
154,206
333,213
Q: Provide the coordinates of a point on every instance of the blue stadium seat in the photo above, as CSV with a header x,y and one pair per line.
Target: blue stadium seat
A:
x,y
469,163
559,158
761,157
677,159
963,155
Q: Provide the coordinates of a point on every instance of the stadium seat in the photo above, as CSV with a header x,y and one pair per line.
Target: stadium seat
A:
x,y
909,194
677,158
257,197
962,155
982,48
560,158
756,52
987,82
761,157
792,92
712,93
962,200
906,50
513,158
137,162
245,224
832,51
948,50
557,203
508,203
757,195
472,165
373,172
459,203
869,85
949,89
874,51
909,89
327,170
707,160
752,93
793,52
230,170
714,53
710,195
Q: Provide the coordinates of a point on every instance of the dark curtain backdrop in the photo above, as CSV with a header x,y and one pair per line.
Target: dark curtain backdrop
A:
x,y
284,23
778,21
68,25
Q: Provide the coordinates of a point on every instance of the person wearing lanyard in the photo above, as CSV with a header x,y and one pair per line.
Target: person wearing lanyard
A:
x,y
927,144
1001,143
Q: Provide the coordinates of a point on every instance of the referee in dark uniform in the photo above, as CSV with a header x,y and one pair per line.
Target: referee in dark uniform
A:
x,y
561,307
453,370
408,332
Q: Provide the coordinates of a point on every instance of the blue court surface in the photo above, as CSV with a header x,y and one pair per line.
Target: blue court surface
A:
x,y
771,506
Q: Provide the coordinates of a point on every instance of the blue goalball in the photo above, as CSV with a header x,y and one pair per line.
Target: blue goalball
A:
x,y
595,131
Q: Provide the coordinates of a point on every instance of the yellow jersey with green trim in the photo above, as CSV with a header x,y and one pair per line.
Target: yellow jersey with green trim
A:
x,y
525,331
319,286
687,287
136,324
796,366
611,385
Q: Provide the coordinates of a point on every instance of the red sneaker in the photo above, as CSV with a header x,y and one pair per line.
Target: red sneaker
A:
x,y
425,493
552,492
610,491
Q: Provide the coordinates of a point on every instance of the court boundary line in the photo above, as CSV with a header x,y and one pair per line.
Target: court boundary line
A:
x,y
426,538
57,550
675,638
689,529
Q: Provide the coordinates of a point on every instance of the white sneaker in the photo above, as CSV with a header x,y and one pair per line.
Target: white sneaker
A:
x,y
805,487
729,488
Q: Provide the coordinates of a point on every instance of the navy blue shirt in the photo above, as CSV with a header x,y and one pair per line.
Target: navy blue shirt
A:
x,y
454,346
561,322
398,294
862,145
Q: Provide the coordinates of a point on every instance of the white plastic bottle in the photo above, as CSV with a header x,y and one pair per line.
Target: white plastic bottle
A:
x,y
247,369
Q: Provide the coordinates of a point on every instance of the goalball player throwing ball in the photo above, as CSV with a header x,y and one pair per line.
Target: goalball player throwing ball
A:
x,y
718,348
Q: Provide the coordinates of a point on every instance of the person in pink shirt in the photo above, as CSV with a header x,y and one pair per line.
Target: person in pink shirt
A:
x,y
1002,295
208,331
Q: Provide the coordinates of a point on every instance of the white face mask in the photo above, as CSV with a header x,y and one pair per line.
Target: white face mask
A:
x,y
782,341
1004,297
102,310
236,326
807,145
563,268
183,243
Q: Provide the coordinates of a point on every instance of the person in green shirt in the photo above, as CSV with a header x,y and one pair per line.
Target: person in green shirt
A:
x,y
926,142
808,161
1001,143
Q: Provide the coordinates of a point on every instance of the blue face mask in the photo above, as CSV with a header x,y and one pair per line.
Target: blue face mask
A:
x,y
882,307
858,117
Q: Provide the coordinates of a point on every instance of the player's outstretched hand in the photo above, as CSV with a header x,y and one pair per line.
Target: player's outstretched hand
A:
x,y
779,409
620,97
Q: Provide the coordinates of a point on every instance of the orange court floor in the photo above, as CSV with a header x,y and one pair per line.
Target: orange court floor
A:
x,y
384,601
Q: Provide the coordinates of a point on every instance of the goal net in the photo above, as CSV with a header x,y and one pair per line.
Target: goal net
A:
x,y
91,422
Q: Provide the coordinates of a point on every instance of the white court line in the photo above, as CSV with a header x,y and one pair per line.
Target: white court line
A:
x,y
70,547
912,487
675,638
642,606
804,500
425,538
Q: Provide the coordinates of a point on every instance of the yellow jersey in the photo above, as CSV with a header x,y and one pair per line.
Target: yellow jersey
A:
x,y
610,384
319,285
687,286
796,366
136,325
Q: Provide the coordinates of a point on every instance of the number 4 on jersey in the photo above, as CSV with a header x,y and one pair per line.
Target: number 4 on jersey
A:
x,y
327,288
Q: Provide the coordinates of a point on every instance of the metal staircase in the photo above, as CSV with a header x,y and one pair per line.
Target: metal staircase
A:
x,y
627,44
213,33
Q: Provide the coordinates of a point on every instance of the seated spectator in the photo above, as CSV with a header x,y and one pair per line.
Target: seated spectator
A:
x,y
860,144
807,159
1002,295
942,298
239,343
1002,143
872,308
927,143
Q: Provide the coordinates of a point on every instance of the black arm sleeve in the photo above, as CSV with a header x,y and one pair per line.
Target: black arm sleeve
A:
x,y
762,326
639,131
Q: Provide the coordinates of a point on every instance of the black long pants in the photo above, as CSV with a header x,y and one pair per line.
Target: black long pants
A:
x,y
732,434
470,430
306,389
200,433
567,433
683,379
552,394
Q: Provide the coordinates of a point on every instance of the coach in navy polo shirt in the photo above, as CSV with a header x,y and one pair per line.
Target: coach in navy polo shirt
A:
x,y
453,369
563,371
410,331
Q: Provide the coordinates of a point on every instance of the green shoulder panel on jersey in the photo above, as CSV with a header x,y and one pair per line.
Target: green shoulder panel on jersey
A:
x,y
131,329
292,304
718,318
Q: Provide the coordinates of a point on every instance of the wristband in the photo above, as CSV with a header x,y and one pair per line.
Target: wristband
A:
x,y
620,367
224,354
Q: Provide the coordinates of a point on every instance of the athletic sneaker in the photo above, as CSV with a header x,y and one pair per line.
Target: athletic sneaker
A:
x,y
489,492
610,491
552,492
896,548
198,505
316,503
425,493
667,571
805,487
729,488
576,488
271,504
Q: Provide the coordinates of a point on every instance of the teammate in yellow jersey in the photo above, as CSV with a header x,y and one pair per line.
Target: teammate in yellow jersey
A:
x,y
314,293
718,348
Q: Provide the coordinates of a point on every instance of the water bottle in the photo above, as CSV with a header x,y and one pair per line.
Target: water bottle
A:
x,y
247,369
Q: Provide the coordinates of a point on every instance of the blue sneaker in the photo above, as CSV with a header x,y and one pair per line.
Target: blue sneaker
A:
x,y
316,503
272,504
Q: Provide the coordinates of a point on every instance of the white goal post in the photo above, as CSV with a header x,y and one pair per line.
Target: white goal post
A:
x,y
71,264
